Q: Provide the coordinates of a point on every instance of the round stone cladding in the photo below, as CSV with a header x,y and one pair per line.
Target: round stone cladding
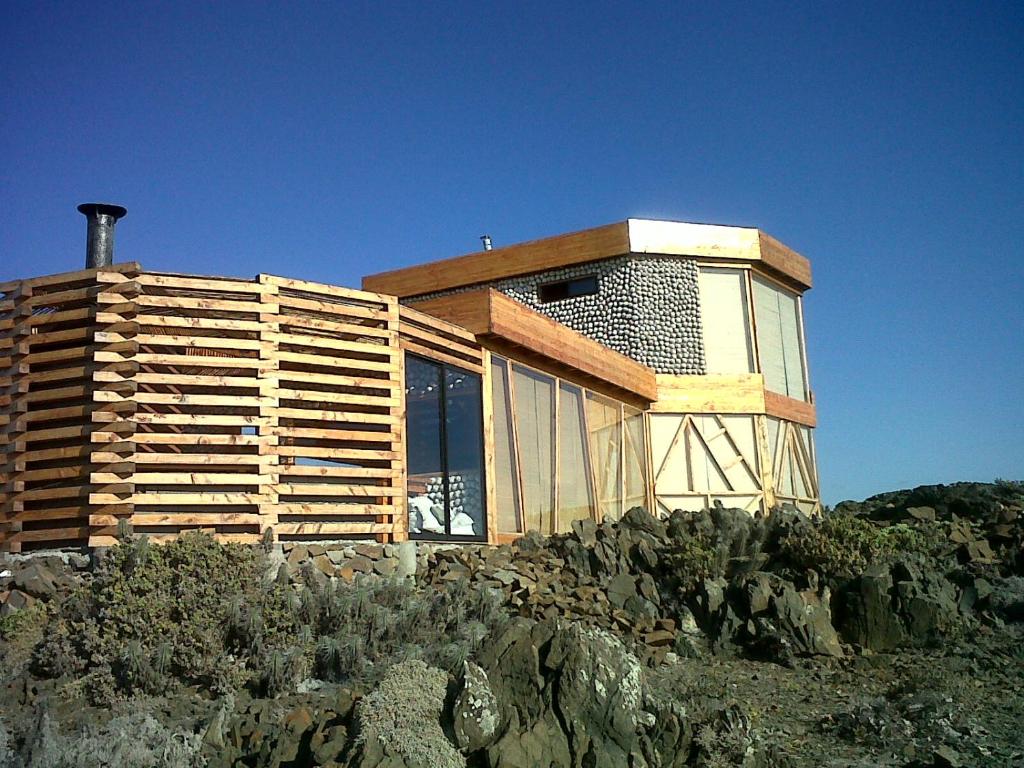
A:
x,y
646,307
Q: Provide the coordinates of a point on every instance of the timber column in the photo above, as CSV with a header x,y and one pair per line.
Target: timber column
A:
x,y
269,374
114,388
15,328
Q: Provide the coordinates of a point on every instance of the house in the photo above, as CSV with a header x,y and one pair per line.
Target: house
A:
x,y
644,363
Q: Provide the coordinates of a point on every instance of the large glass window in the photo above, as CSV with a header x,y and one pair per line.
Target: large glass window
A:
x,y
506,480
535,421
779,339
444,426
604,420
575,500
725,321
635,448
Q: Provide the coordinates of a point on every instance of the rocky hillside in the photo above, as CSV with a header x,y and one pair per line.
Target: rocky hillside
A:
x,y
889,632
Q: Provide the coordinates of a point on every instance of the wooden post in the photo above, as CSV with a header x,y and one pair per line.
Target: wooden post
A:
x,y
397,480
765,462
490,477
269,394
112,380
14,387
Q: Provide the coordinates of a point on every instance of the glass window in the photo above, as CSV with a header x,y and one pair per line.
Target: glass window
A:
x,y
567,289
724,321
444,443
506,483
575,501
635,448
779,340
604,421
534,395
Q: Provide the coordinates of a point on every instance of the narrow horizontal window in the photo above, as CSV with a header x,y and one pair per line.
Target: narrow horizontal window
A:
x,y
567,289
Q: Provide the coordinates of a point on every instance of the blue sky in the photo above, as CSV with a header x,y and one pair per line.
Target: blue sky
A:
x,y
329,140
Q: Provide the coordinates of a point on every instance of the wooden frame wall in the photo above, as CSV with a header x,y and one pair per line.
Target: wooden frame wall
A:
x,y
180,402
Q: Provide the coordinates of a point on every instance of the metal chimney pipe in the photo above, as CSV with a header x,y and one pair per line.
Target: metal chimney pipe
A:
x,y
486,240
99,240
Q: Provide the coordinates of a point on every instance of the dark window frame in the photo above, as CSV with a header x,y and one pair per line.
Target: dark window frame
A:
x,y
445,471
560,290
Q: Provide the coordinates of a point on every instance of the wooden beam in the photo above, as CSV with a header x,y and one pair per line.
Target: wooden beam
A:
x,y
493,316
712,393
519,259
788,408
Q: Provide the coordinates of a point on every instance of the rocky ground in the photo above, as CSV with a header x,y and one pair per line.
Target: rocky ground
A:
x,y
887,633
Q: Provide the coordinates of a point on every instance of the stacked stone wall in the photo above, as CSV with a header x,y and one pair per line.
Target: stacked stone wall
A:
x,y
646,307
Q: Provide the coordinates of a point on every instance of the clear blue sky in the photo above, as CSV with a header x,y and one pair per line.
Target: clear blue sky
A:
x,y
329,140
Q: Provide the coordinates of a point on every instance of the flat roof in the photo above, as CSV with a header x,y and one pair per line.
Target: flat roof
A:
x,y
713,242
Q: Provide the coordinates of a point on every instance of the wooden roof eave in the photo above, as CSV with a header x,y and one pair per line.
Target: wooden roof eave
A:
x,y
491,315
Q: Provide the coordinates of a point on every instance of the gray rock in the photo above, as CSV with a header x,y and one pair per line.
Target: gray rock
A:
x,y
475,714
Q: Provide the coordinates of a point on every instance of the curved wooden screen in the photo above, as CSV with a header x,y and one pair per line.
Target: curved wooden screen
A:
x,y
182,402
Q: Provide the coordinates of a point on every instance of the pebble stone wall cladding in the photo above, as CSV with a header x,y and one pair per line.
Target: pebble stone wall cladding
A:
x,y
647,308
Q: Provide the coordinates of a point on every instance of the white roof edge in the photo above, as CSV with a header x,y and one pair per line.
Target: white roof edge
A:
x,y
680,238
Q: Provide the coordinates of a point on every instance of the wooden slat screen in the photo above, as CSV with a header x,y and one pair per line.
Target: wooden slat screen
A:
x,y
181,402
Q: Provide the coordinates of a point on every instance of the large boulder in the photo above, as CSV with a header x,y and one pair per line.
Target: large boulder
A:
x,y
568,696
891,605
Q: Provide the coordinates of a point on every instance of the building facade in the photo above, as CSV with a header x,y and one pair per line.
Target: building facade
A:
x,y
645,363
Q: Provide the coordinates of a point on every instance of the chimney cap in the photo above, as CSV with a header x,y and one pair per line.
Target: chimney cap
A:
x,y
107,209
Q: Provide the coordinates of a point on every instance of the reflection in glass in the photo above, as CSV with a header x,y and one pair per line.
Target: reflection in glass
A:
x,y
464,434
444,438
423,438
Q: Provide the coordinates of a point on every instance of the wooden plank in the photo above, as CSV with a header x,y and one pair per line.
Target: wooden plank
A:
x,y
204,342
322,529
179,519
714,393
408,315
301,470
332,489
340,327
336,379
334,434
334,310
435,354
196,419
336,453
332,508
784,261
163,398
788,408
193,282
181,379
326,359
485,266
428,337
179,438
349,417
184,361
182,478
196,303
381,348
326,289
199,323
76,276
